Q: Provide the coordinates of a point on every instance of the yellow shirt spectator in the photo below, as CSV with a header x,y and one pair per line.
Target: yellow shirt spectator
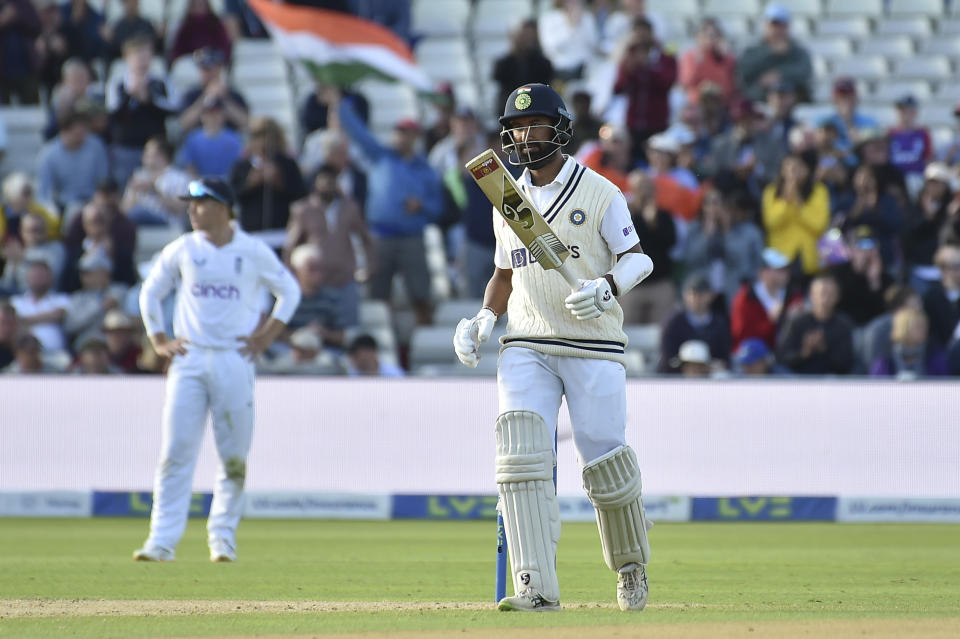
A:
x,y
794,223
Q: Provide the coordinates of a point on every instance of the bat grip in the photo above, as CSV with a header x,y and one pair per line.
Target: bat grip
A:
x,y
567,275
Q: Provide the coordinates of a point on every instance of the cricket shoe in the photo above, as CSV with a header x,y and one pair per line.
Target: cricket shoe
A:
x,y
222,551
632,588
529,600
152,553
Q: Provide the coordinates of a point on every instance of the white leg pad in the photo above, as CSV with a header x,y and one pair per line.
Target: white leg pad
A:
x,y
528,501
613,484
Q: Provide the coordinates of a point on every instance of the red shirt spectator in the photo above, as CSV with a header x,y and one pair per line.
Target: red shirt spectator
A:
x,y
709,62
645,76
759,307
200,28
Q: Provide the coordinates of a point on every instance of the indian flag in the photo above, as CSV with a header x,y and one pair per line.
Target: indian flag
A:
x,y
340,48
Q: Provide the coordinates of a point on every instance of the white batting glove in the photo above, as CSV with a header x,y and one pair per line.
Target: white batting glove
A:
x,y
470,334
591,299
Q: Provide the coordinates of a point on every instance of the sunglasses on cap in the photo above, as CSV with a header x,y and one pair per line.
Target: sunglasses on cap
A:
x,y
197,190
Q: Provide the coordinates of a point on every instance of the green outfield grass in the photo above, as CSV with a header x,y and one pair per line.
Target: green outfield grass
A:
x,y
700,573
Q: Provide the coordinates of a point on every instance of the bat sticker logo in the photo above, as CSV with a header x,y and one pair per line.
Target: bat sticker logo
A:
x,y
513,206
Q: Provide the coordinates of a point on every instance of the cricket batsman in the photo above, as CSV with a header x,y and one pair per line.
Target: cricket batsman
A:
x,y
562,344
220,273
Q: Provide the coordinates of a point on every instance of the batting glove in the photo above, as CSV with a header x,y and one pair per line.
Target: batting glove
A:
x,y
591,299
470,334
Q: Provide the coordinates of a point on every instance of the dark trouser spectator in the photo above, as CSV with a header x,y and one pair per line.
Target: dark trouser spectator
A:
x,y
408,257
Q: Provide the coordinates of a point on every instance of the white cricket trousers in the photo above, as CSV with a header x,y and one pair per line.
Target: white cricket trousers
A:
x,y
204,380
596,392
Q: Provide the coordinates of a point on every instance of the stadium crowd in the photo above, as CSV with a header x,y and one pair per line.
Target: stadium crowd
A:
x,y
781,245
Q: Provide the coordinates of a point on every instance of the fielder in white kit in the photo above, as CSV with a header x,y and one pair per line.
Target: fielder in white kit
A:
x,y
220,273
562,344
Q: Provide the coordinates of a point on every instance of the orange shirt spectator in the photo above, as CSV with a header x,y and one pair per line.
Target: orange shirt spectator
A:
x,y
708,62
611,158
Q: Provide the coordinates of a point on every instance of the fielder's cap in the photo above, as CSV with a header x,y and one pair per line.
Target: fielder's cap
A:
x,y
906,101
663,142
845,86
407,124
863,238
208,57
305,339
750,351
36,256
776,12
208,187
534,99
772,258
697,282
694,351
938,171
116,320
96,260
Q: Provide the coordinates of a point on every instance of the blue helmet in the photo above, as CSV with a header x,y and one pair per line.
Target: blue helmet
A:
x,y
535,99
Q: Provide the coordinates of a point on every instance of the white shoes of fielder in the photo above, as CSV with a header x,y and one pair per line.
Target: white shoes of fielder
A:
x,y
148,553
221,551
632,588
528,600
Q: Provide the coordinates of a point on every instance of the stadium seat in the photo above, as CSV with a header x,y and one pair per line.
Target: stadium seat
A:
x,y
884,113
151,239
890,91
941,46
850,27
389,101
254,49
427,20
445,59
685,8
891,47
24,126
737,28
493,18
799,28
867,8
948,92
375,314
644,340
746,8
936,68
450,312
863,67
933,8
434,345
916,27
937,114
948,26
831,47
812,114
808,8
487,367
183,74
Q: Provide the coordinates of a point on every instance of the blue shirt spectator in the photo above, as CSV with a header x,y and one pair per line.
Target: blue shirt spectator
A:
x,y
846,119
211,149
82,26
71,165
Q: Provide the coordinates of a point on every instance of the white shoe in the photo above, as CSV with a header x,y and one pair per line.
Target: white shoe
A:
x,y
222,551
528,600
632,588
148,553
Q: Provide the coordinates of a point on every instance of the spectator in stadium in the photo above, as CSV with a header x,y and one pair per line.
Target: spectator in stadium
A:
x,y
586,126
33,242
796,212
941,301
28,357
872,149
645,75
241,21
863,280
724,244
847,120
875,209
19,27
200,28
911,147
128,25
404,195
304,357
925,223
774,58
9,333
746,155
480,243
570,39
211,149
781,101
332,222
267,180
121,334
314,115
615,25
139,104
951,155
695,321
465,133
152,196
709,61
101,226
40,308
70,165
693,359
51,46
444,106
753,358
760,306
213,88
525,62
93,358
653,302
363,359
681,200
322,310
76,84
818,341
710,117
17,201
332,147
912,354
611,157
3,139
83,29
875,342
97,295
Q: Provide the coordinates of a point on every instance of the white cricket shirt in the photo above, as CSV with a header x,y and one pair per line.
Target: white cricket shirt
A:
x,y
220,289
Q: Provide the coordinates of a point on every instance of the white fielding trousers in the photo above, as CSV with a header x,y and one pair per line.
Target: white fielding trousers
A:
x,y
218,382
596,392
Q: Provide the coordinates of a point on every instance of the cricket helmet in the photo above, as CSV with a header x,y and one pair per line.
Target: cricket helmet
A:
x,y
535,99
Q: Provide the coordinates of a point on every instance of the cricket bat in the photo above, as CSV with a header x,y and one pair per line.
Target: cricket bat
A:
x,y
512,203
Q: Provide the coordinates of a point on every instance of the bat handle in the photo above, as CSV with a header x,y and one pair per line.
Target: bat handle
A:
x,y
567,275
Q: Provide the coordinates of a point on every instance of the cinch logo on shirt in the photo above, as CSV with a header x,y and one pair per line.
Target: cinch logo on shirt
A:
x,y
521,257
220,292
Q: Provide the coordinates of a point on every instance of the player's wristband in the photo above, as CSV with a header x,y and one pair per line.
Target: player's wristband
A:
x,y
630,270
496,315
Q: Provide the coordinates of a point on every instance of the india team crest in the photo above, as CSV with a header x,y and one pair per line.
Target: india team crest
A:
x,y
577,217
523,101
